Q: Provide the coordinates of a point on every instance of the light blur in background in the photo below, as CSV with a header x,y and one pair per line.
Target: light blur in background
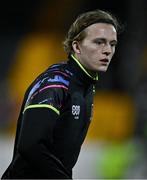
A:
x,y
31,36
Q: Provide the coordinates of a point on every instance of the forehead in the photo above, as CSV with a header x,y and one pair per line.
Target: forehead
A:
x,y
101,30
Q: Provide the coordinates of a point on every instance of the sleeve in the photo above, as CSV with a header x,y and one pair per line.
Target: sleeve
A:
x,y
40,114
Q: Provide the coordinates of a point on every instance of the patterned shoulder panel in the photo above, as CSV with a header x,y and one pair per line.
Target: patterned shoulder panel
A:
x,y
50,87
60,69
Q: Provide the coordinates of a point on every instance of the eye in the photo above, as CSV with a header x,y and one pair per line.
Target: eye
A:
x,y
113,44
99,42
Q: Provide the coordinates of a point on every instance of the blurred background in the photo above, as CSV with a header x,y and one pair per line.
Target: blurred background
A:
x,y
31,36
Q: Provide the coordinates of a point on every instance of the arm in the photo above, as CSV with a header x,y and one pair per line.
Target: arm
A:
x,y
36,137
35,141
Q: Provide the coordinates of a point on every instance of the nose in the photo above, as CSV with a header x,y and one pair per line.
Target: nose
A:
x,y
107,49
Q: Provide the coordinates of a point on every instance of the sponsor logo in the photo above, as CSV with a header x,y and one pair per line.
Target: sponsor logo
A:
x,y
76,111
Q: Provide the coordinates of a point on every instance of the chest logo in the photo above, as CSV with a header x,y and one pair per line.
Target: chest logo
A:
x,y
76,111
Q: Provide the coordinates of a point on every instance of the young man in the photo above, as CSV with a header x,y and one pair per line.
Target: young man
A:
x,y
56,111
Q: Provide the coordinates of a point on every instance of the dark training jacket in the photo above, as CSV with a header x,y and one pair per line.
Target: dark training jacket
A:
x,y
53,123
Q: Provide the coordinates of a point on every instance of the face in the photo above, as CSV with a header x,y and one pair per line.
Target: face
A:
x,y
96,50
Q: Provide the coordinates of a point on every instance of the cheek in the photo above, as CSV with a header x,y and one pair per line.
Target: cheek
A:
x,y
90,50
93,51
112,53
113,50
96,53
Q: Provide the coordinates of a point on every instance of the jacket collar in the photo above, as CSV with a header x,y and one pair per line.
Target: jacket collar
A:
x,y
80,72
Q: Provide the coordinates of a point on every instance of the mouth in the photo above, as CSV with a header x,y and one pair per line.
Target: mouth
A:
x,y
104,61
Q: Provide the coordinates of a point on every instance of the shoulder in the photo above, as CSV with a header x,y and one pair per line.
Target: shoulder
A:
x,y
60,69
54,81
57,76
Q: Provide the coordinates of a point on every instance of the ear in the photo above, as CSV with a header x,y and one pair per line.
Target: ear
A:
x,y
76,47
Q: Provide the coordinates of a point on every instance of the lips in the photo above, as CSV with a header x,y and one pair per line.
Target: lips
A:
x,y
104,60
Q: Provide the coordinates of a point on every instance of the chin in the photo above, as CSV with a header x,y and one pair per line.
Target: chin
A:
x,y
102,69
